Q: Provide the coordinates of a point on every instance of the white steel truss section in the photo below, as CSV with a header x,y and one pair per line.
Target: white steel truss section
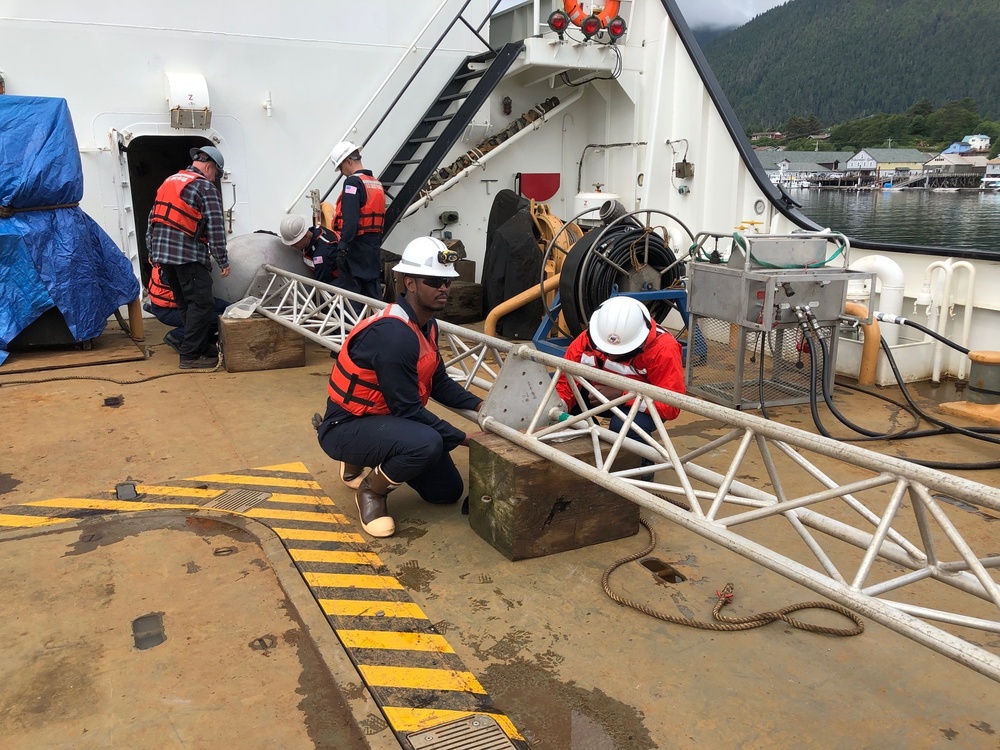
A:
x,y
877,534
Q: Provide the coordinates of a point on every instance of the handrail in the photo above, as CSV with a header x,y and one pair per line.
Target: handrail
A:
x,y
406,86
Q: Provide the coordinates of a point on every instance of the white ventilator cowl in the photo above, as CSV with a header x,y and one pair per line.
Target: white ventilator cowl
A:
x,y
420,258
341,151
620,325
293,228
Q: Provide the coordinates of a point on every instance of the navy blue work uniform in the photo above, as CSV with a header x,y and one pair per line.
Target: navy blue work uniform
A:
x,y
411,444
359,250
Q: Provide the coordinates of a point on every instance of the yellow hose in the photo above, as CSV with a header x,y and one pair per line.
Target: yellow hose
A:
x,y
528,295
869,350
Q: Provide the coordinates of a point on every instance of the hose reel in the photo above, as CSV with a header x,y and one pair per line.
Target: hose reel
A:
x,y
626,255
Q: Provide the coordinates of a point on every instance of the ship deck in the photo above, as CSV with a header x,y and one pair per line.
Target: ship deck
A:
x,y
569,667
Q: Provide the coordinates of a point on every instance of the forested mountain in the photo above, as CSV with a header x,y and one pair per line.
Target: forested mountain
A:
x,y
844,59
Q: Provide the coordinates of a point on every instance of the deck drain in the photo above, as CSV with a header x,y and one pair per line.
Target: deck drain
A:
x,y
148,631
663,570
477,732
239,501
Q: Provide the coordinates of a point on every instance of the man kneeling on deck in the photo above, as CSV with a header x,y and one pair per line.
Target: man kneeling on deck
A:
x,y
622,338
376,413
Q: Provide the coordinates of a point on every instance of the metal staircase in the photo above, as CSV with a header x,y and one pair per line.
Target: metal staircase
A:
x,y
441,126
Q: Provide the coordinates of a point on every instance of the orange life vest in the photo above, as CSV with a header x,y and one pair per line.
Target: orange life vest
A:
x,y
372,216
169,209
357,389
160,293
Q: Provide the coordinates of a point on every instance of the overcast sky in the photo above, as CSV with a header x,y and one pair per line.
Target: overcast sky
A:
x,y
700,13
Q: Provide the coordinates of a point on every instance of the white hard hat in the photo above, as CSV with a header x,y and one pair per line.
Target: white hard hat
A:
x,y
341,151
428,256
620,325
293,228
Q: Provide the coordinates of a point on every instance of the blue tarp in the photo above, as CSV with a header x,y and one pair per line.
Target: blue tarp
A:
x,y
57,257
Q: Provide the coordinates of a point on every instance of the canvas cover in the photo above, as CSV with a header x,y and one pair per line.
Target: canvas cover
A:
x,y
54,257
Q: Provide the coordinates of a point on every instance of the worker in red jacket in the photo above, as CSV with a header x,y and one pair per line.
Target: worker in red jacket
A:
x,y
623,339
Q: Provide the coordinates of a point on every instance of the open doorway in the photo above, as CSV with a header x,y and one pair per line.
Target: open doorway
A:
x,y
151,160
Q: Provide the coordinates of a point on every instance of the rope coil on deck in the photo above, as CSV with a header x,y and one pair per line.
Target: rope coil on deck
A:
x,y
732,624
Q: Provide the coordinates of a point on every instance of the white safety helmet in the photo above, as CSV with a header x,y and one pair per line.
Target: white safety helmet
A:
x,y
620,325
340,152
293,228
427,256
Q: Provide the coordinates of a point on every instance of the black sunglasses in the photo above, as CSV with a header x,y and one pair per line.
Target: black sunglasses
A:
x,y
435,282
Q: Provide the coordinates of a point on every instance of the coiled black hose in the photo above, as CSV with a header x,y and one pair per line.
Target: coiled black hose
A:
x,y
590,273
945,428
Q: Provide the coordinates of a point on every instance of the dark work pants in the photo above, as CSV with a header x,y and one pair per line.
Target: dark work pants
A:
x,y
368,287
407,451
191,284
171,316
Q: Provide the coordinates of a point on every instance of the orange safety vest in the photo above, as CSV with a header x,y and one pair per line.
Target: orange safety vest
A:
x,y
372,216
160,293
169,209
357,390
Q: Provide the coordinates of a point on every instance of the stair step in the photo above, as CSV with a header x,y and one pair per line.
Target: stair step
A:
x,y
404,162
442,118
469,75
481,57
454,97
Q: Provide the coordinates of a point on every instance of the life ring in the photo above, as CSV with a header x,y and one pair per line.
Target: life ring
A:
x,y
574,9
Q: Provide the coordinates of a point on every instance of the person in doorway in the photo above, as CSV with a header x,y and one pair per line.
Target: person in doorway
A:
x,y
318,246
164,307
387,370
358,220
621,338
186,231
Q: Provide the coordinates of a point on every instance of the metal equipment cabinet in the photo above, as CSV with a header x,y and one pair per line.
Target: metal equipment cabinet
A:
x,y
748,348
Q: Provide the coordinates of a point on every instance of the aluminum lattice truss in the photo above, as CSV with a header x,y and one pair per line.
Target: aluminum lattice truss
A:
x,y
880,534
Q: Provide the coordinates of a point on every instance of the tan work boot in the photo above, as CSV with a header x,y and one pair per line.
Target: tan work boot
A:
x,y
352,475
372,505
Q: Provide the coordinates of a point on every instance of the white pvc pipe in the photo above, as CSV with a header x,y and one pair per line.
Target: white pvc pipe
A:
x,y
892,282
944,308
970,289
480,163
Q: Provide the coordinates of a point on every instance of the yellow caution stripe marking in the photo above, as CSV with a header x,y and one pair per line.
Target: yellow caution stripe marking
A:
x,y
344,557
305,484
281,497
297,467
369,608
19,522
395,641
171,491
347,581
93,504
420,678
315,535
407,720
299,515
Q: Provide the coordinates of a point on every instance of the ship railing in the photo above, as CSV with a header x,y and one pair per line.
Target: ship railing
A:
x,y
879,535
404,60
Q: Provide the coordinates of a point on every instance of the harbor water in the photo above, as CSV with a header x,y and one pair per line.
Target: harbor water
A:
x,y
964,219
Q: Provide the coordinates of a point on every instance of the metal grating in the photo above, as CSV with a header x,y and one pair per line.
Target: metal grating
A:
x,y
738,367
477,732
238,501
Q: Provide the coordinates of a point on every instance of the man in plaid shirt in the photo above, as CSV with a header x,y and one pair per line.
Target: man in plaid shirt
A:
x,y
186,230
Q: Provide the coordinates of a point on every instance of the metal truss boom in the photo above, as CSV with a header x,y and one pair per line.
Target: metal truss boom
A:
x,y
870,526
